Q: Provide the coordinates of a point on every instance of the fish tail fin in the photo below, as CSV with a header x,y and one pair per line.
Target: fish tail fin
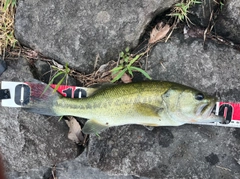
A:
x,y
41,99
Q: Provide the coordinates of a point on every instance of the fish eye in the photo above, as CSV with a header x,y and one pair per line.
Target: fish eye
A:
x,y
199,96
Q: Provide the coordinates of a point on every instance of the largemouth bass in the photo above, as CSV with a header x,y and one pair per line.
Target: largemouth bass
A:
x,y
149,103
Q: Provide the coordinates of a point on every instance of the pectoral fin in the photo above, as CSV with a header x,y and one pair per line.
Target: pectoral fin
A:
x,y
92,126
147,109
159,113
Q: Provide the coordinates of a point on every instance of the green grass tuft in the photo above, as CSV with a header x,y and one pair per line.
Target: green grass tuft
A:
x,y
126,65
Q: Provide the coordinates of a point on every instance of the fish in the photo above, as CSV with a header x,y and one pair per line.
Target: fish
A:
x,y
148,103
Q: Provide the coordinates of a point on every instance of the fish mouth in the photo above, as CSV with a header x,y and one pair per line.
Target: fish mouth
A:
x,y
205,110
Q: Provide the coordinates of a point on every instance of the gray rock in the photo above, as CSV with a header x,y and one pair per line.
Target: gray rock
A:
x,y
75,32
31,144
228,22
44,72
167,152
188,151
78,168
215,69
35,173
29,140
3,66
200,13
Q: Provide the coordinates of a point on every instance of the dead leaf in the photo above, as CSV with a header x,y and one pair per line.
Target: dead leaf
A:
x,y
74,133
158,32
126,78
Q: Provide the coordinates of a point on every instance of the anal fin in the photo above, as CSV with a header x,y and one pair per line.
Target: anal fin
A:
x,y
92,126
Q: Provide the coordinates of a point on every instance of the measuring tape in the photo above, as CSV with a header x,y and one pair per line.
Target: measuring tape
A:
x,y
16,94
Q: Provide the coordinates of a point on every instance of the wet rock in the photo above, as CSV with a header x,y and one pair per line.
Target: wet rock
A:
x,y
200,13
3,66
236,134
178,152
76,31
228,23
214,69
35,173
188,151
222,17
29,140
212,159
134,151
78,168
137,151
44,72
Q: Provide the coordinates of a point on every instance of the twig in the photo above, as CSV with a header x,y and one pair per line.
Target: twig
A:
x,y
96,61
223,168
53,172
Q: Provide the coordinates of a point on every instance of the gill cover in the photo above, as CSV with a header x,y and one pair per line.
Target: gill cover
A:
x,y
186,104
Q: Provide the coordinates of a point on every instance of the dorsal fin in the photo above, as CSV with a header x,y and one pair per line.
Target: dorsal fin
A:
x,y
95,88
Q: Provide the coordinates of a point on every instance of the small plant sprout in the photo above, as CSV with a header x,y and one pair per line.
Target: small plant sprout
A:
x,y
63,72
180,10
220,3
126,65
60,118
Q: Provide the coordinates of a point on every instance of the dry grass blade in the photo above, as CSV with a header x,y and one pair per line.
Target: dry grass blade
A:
x,y
223,168
159,32
7,12
102,75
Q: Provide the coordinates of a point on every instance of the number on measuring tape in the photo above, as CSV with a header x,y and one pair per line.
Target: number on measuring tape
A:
x,y
74,93
22,94
226,110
